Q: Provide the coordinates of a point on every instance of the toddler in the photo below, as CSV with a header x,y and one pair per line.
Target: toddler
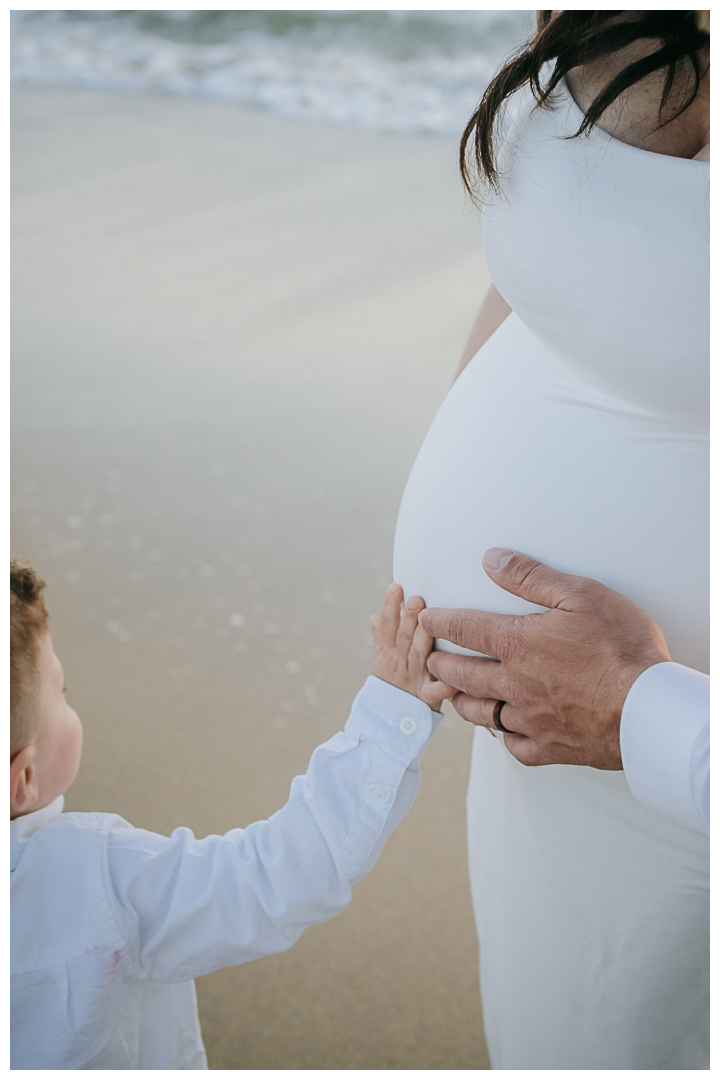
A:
x,y
111,924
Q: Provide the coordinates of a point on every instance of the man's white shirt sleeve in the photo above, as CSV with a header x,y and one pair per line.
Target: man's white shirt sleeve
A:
x,y
665,744
191,906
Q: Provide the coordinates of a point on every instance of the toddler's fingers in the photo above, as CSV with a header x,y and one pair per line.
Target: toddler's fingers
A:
x,y
435,692
422,645
408,625
390,616
422,641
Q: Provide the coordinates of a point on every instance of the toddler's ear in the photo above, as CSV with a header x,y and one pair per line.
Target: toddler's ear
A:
x,y
23,787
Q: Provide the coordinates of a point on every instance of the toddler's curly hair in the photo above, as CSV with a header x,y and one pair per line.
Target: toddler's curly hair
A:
x,y
28,622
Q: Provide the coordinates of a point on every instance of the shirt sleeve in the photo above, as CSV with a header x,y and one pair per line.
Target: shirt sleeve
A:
x,y
665,744
189,907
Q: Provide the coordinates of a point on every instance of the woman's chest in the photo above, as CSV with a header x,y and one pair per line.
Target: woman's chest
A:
x,y
602,251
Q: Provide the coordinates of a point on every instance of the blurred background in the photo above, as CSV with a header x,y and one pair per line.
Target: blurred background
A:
x,y
243,273
400,71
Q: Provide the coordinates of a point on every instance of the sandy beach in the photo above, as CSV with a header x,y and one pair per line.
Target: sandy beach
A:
x,y
230,334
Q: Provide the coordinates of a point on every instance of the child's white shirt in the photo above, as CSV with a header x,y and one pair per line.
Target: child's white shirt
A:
x,y
110,924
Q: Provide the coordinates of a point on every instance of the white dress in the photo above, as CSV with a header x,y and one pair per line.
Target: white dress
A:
x,y
579,435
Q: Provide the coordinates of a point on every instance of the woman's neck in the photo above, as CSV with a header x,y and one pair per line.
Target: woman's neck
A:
x,y
633,116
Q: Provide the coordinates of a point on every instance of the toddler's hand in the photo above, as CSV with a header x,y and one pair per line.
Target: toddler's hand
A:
x,y
401,648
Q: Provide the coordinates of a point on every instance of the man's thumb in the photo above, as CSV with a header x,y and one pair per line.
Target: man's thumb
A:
x,y
530,579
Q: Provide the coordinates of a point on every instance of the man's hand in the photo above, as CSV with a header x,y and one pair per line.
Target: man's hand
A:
x,y
564,673
401,648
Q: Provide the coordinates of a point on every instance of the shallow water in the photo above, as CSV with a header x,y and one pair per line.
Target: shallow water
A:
x,y
403,71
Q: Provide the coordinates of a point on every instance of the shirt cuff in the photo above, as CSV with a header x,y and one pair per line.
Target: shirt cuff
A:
x,y
663,742
384,713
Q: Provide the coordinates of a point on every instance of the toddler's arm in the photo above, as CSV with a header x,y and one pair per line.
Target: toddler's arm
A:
x,y
191,906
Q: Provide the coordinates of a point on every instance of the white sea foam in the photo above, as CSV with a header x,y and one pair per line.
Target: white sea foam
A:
x,y
382,70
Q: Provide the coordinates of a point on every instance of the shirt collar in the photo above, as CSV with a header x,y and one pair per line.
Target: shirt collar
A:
x,y
22,828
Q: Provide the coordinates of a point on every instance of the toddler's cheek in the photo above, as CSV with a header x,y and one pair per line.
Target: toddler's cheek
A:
x,y
69,752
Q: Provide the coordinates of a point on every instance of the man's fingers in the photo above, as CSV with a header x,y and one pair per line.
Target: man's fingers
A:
x,y
527,751
533,752
481,631
474,675
480,711
476,711
533,581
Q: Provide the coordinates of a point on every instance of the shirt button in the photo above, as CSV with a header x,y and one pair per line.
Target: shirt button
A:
x,y
408,725
378,793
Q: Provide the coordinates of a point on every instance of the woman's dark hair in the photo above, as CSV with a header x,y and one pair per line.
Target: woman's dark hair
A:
x,y
571,38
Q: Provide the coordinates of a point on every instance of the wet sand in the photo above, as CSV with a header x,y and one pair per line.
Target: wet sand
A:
x,y
230,336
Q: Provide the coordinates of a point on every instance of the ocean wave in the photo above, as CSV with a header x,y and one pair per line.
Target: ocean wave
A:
x,y
382,70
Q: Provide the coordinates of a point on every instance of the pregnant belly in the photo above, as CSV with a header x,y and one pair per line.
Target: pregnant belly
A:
x,y
522,456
